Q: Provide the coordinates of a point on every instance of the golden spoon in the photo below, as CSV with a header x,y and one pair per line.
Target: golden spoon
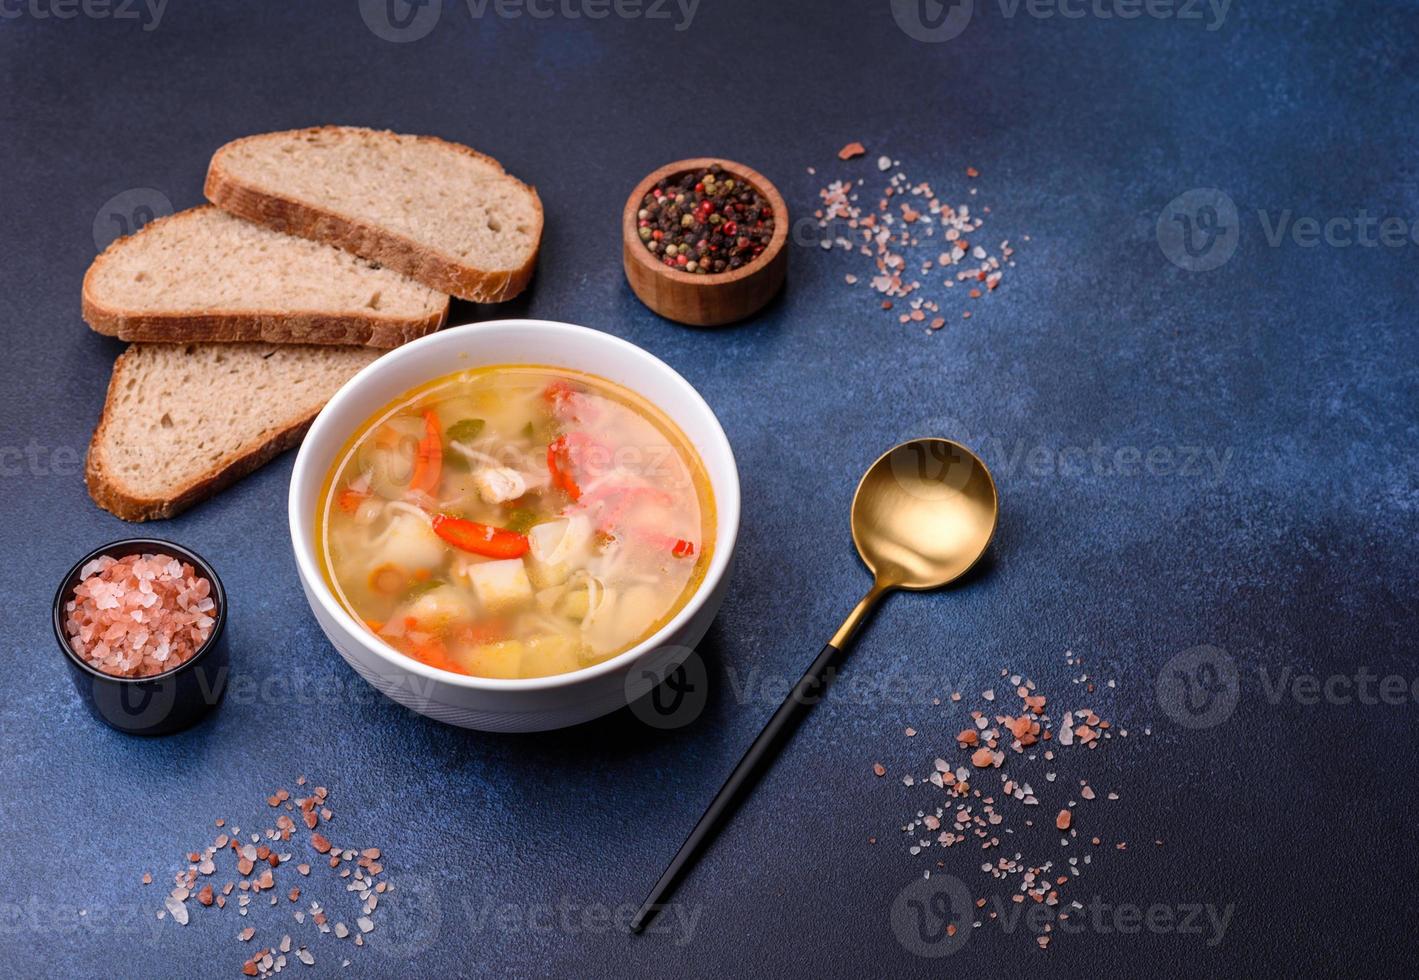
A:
x,y
923,514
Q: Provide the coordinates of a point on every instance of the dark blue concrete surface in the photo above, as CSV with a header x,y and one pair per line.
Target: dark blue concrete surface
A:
x,y
1295,365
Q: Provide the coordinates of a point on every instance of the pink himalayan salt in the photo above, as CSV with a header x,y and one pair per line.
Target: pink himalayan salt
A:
x,y
139,616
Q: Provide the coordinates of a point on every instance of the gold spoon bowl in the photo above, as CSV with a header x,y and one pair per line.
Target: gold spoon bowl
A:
x,y
922,517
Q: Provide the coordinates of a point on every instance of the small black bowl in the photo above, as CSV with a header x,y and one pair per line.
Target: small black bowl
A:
x,y
163,703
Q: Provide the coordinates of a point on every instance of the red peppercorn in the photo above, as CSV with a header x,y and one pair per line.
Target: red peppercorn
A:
x,y
681,260
731,228
657,234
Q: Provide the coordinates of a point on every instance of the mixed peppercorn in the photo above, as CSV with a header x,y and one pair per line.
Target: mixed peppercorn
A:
x,y
705,222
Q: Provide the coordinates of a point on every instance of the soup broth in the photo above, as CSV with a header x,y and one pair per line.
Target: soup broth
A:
x,y
516,522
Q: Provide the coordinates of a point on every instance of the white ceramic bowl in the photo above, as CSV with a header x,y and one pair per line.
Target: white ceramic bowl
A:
x,y
541,703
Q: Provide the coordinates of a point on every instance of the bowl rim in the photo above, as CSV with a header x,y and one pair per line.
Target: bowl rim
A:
x,y
727,511
637,250
200,564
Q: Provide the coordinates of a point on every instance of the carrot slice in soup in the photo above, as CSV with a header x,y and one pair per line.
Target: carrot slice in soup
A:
x,y
428,466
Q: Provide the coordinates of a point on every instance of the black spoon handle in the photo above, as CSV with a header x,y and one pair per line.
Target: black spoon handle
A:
x,y
805,694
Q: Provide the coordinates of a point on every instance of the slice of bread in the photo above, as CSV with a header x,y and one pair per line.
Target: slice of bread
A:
x,y
202,274
440,212
184,421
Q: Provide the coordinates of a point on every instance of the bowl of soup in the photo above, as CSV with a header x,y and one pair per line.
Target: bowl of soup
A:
x,y
515,526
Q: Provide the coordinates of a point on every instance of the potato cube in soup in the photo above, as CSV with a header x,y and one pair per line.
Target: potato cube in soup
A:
x,y
501,585
502,659
441,606
548,655
412,544
574,604
547,576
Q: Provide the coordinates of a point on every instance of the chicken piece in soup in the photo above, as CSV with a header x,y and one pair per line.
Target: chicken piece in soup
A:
x,y
516,522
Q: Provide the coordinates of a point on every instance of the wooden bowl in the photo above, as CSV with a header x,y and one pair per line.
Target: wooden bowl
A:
x,y
710,299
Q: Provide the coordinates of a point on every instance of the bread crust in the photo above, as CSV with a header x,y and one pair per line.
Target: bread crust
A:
x,y
231,326
109,493
369,241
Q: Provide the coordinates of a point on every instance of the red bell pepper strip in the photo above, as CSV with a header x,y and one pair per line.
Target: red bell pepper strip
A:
x,y
480,539
576,451
559,464
428,466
